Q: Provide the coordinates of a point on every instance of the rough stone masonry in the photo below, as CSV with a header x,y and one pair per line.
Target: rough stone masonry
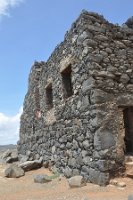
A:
x,y
78,110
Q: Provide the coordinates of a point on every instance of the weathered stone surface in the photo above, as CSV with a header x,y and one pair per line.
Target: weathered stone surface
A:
x,y
29,165
88,84
76,181
13,157
124,78
98,177
68,172
82,37
99,96
9,156
6,154
86,144
23,158
42,178
14,172
73,110
103,139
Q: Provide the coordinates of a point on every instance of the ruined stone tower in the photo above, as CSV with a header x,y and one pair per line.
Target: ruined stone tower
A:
x,y
78,110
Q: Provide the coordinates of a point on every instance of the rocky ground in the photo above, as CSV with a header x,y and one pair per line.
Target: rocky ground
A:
x,y
58,189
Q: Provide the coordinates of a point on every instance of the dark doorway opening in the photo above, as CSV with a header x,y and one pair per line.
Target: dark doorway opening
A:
x,y
128,124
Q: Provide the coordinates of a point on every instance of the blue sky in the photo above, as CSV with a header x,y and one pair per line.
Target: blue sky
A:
x,y
29,31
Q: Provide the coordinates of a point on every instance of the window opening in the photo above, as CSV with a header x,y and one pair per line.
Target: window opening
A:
x,y
49,96
37,99
67,83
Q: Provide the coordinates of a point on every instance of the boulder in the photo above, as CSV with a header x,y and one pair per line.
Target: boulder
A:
x,y
9,156
42,178
14,172
76,181
6,154
13,157
30,165
130,197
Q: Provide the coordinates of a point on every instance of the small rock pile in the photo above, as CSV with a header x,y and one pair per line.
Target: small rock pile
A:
x,y
17,168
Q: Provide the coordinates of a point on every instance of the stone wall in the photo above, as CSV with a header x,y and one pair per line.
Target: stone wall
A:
x,y
82,133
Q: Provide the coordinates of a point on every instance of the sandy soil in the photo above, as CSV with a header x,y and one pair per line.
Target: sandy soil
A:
x,y
24,188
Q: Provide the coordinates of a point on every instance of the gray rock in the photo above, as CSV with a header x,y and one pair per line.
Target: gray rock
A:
x,y
6,154
98,177
85,169
85,101
72,162
124,78
96,58
82,37
68,172
86,144
99,96
75,172
96,28
23,158
84,153
89,42
29,165
86,160
76,181
13,157
42,178
14,172
130,197
88,84
104,139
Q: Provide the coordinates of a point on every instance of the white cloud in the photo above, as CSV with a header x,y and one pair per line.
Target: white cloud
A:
x,y
5,5
9,128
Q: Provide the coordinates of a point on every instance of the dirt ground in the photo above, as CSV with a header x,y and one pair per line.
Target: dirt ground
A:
x,y
24,188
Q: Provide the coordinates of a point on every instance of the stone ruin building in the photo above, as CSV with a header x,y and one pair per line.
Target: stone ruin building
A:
x,y
78,111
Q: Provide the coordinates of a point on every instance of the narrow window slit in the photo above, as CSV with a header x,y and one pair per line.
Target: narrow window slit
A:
x,y
66,82
37,99
49,96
